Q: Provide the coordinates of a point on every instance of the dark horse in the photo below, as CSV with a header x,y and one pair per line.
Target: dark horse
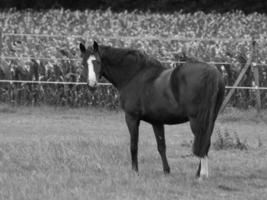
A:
x,y
159,95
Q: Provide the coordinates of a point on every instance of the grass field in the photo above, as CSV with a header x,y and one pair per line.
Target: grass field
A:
x,y
56,153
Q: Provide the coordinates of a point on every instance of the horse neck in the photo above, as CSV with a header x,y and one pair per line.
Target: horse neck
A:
x,y
117,66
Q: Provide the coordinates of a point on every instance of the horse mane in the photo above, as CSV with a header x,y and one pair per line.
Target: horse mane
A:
x,y
141,57
149,60
189,59
193,60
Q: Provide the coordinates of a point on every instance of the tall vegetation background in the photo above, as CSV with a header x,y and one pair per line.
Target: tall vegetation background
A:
x,y
124,29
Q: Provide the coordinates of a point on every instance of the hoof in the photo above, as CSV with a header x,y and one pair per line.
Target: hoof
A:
x,y
202,171
167,171
134,168
201,177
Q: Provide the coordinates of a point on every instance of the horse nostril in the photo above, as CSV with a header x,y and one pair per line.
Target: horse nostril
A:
x,y
92,88
92,83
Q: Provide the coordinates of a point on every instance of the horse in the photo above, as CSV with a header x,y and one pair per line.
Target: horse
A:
x,y
156,94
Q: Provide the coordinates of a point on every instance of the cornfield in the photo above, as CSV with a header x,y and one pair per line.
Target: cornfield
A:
x,y
42,57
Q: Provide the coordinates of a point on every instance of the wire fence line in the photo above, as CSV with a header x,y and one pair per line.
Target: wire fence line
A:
x,y
38,58
105,84
246,88
76,59
145,37
170,62
51,82
41,35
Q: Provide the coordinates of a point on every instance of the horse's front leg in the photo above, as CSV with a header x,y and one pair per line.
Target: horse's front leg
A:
x,y
160,137
133,126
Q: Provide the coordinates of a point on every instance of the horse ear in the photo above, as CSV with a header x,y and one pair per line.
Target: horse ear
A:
x,y
95,46
82,48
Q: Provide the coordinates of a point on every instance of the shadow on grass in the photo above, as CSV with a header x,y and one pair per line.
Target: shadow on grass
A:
x,y
5,108
234,183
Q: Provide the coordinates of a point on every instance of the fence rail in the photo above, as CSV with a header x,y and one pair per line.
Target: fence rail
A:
x,y
77,59
145,37
107,84
50,82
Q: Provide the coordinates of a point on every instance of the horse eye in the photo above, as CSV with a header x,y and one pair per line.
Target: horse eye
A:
x,y
97,61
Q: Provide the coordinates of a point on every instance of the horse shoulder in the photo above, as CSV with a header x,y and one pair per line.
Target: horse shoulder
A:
x,y
130,99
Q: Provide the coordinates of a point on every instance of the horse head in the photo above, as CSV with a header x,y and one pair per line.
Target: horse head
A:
x,y
91,64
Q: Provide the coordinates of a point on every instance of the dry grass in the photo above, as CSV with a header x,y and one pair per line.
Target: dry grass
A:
x,y
55,153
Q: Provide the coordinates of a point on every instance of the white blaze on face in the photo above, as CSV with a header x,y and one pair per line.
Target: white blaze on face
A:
x,y
91,72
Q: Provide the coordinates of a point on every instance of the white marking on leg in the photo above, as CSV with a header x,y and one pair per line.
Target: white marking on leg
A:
x,y
204,167
91,72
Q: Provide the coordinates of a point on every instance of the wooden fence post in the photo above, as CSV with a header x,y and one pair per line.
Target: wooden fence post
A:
x,y
1,46
257,83
239,78
255,70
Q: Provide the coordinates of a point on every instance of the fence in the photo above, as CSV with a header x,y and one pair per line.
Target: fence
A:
x,y
250,61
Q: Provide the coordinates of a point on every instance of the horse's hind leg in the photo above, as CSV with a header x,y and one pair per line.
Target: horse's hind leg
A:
x,y
203,135
201,145
133,126
160,137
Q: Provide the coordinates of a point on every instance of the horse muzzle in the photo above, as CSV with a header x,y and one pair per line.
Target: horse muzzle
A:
x,y
92,85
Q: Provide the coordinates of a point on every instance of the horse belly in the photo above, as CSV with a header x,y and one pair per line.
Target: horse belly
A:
x,y
159,104
162,118
164,113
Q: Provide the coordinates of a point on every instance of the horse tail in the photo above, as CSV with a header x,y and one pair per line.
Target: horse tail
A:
x,y
210,102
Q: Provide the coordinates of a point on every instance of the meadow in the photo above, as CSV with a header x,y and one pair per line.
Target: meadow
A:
x,y
62,153
49,152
